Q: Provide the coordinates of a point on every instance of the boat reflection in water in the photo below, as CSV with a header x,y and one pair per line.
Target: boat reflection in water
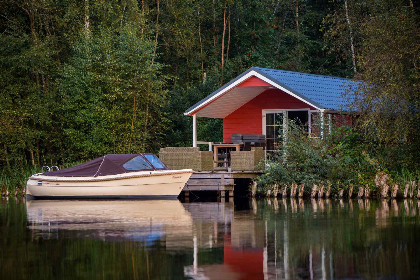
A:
x,y
265,239
112,220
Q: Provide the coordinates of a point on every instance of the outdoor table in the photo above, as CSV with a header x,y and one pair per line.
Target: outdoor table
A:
x,y
223,145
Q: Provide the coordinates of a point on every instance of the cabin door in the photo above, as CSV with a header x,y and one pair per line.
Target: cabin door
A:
x,y
273,128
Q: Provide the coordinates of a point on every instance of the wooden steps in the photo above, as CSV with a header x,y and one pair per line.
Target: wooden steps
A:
x,y
220,181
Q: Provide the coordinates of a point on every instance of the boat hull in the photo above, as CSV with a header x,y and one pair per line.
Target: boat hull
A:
x,y
139,185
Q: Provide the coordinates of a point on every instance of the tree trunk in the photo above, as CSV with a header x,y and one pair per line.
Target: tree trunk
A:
x,y
298,31
34,37
87,20
133,117
353,53
142,16
6,155
214,24
228,44
201,43
157,32
223,39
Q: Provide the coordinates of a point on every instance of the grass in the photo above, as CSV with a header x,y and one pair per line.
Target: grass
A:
x,y
14,179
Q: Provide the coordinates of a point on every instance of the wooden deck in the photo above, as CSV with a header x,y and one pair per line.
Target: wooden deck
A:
x,y
219,181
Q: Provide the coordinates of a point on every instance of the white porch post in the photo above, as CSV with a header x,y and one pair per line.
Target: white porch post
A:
x,y
194,130
322,124
329,124
309,123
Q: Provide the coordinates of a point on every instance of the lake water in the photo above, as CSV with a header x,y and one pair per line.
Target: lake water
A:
x,y
248,239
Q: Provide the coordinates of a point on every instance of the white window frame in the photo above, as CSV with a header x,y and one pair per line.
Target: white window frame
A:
x,y
284,111
285,117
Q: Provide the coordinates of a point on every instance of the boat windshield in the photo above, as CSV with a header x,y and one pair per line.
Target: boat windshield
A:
x,y
137,163
155,161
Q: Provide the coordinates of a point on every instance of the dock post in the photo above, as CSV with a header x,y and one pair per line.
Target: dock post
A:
x,y
231,193
254,189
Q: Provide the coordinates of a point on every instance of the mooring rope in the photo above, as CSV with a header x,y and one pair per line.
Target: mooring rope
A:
x,y
197,197
99,166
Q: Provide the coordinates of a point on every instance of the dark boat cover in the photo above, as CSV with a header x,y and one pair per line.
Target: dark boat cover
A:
x,y
111,164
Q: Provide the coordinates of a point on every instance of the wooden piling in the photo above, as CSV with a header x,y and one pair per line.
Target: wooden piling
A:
x,y
254,189
314,190
394,191
418,190
328,191
231,193
367,191
413,186
406,189
384,191
361,192
293,190
321,191
351,191
275,190
301,190
284,191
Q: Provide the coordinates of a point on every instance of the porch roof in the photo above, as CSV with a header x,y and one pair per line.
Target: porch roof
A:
x,y
320,92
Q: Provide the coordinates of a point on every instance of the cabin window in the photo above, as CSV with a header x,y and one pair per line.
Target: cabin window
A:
x,y
274,130
300,118
155,161
137,164
275,126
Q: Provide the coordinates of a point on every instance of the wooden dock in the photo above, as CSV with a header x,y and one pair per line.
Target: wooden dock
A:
x,y
219,181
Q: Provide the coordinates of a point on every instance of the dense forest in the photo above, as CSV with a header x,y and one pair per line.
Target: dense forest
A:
x,y
82,78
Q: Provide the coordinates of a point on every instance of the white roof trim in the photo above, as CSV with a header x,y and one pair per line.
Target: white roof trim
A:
x,y
242,79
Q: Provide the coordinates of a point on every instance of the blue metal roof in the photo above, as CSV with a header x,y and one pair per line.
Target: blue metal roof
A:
x,y
324,92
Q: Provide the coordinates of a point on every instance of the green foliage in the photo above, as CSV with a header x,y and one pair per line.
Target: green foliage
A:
x,y
113,91
340,159
82,78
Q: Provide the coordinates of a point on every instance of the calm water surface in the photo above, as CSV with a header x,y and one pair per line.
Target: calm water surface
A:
x,y
264,239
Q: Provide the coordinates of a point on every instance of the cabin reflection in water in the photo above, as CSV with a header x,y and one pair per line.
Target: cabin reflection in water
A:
x,y
268,239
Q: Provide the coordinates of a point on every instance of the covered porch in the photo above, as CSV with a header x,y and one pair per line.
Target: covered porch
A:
x,y
256,106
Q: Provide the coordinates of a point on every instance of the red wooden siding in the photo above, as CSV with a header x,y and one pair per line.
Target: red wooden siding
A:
x,y
248,263
337,121
248,118
253,82
340,120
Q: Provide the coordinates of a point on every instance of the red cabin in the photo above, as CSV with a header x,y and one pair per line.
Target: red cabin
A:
x,y
259,102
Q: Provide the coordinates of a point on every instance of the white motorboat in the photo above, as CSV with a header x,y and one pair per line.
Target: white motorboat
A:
x,y
111,176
